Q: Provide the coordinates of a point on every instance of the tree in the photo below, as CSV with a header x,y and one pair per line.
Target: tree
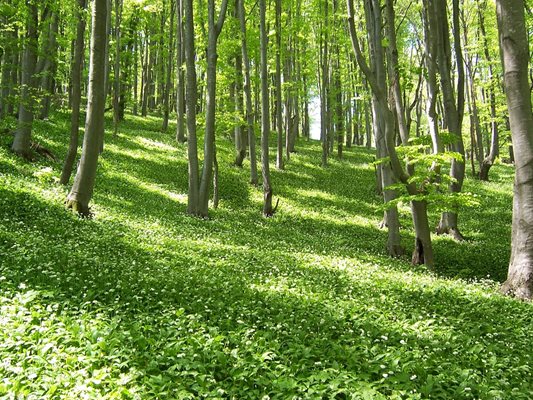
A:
x,y
453,110
268,210
82,189
22,141
76,70
199,188
515,54
248,94
117,72
180,74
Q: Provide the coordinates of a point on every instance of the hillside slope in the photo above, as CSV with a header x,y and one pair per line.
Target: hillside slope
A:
x,y
143,301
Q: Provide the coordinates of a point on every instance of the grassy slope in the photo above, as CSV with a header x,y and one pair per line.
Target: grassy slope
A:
x,y
145,302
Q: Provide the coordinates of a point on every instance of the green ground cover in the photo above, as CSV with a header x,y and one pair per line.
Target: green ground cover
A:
x,y
145,302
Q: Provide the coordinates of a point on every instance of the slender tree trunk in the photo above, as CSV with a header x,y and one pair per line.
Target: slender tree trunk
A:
x,y
431,43
209,141
240,140
515,55
14,79
136,75
116,81
22,141
180,75
394,68
193,199
9,43
278,104
382,116
76,70
494,139
265,114
147,76
248,95
48,69
82,190
453,111
168,75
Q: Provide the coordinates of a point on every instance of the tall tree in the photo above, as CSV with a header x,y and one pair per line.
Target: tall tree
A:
x,y
22,141
268,210
82,189
211,79
168,72
453,105
248,94
75,77
515,55
117,72
278,103
180,74
199,187
192,93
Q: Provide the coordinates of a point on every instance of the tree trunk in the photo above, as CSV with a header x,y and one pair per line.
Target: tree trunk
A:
x,y
268,210
278,106
240,143
515,55
168,72
453,111
494,140
180,76
76,70
9,48
193,199
116,81
248,95
22,141
82,190
209,138
382,116
48,70
394,72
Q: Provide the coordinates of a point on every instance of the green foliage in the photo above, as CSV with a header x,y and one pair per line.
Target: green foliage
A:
x,y
145,302
426,174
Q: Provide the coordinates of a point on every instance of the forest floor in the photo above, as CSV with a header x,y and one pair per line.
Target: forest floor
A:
x,y
143,301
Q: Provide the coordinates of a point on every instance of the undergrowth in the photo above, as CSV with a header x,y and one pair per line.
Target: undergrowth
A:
x,y
143,301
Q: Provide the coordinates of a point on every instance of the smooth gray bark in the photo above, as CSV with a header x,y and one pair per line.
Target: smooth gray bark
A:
x,y
209,138
453,111
22,142
192,93
278,107
248,95
180,75
168,72
82,189
116,81
75,77
265,113
49,65
240,139
515,55
382,117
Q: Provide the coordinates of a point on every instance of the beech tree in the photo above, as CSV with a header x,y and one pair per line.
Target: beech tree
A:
x,y
22,141
268,210
82,189
76,71
515,55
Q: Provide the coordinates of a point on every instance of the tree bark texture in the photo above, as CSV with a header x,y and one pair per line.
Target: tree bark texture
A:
x,y
22,142
515,55
82,189
76,70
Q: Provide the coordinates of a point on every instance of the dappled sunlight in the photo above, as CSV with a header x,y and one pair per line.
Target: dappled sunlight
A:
x,y
141,293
